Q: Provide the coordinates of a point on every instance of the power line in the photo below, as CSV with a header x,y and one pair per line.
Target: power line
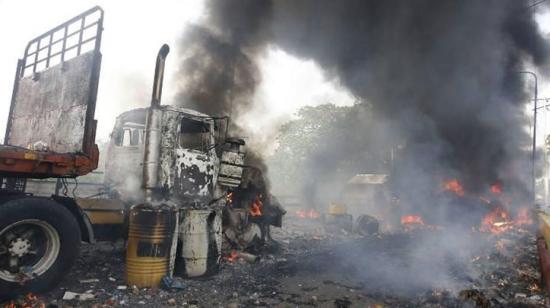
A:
x,y
535,4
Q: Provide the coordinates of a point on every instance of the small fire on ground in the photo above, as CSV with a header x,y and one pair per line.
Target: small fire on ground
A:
x,y
232,257
29,301
454,186
497,221
412,220
308,213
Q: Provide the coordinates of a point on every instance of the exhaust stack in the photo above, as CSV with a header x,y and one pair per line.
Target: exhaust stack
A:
x,y
153,129
159,75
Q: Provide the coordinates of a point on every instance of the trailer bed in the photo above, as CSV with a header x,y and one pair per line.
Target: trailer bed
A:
x,y
24,163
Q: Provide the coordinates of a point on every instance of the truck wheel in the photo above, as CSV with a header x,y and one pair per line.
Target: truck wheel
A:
x,y
39,242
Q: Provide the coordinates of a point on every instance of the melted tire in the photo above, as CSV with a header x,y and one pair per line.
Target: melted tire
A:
x,y
66,228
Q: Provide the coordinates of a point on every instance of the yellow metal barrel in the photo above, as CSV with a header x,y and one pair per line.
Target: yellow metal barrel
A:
x,y
152,241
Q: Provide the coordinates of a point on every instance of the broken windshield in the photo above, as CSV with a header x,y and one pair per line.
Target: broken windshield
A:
x,y
195,135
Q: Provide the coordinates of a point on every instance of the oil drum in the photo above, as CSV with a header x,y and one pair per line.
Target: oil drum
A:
x,y
201,240
152,241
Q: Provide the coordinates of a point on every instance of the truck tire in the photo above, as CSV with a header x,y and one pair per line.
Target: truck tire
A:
x,y
39,242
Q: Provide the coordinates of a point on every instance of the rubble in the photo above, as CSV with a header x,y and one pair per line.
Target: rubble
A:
x,y
92,280
366,225
69,296
171,283
305,272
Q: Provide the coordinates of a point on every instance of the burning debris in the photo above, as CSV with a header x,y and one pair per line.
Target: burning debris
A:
x,y
499,220
502,272
256,207
446,216
412,220
28,301
307,213
454,186
249,214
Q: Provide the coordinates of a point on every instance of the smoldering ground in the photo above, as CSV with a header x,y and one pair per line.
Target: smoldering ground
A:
x,y
442,77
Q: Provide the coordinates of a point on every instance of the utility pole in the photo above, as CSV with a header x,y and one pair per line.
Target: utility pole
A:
x,y
533,158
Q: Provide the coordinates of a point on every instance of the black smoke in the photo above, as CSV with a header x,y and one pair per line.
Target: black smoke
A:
x,y
218,68
445,73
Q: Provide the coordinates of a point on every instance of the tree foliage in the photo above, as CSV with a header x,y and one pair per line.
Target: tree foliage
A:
x,y
325,146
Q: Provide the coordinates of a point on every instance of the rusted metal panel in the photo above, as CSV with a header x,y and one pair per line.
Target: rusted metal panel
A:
x,y
544,223
184,174
544,262
19,162
54,108
188,174
103,211
543,241
55,88
231,168
194,173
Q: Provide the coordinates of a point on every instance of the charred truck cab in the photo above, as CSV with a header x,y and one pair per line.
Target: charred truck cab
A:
x,y
172,157
188,164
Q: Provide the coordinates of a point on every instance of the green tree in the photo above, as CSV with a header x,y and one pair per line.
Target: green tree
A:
x,y
323,147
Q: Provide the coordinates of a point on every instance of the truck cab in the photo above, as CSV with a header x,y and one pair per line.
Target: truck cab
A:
x,y
189,162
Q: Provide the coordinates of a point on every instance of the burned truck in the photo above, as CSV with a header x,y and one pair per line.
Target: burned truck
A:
x,y
158,157
173,155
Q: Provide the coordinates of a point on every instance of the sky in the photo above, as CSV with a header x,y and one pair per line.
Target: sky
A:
x,y
133,33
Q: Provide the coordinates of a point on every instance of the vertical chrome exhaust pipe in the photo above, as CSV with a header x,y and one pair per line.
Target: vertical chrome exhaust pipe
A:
x,y
151,159
159,75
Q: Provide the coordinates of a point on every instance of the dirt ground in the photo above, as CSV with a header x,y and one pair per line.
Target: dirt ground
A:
x,y
422,267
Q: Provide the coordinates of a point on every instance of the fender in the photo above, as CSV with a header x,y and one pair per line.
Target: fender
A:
x,y
83,221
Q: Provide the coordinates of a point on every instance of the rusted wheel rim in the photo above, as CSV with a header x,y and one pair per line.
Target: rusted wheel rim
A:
x,y
28,248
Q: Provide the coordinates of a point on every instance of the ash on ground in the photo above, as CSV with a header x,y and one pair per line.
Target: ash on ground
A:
x,y
311,268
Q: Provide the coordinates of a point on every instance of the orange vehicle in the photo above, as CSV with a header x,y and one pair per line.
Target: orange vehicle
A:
x,y
50,133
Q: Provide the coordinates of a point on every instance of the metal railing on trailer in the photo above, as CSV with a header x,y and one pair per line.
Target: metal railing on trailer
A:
x,y
68,40
81,33
79,36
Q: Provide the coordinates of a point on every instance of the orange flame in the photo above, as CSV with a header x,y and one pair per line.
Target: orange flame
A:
x,y
229,198
311,213
496,188
499,220
256,207
29,301
496,221
454,186
233,256
412,220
